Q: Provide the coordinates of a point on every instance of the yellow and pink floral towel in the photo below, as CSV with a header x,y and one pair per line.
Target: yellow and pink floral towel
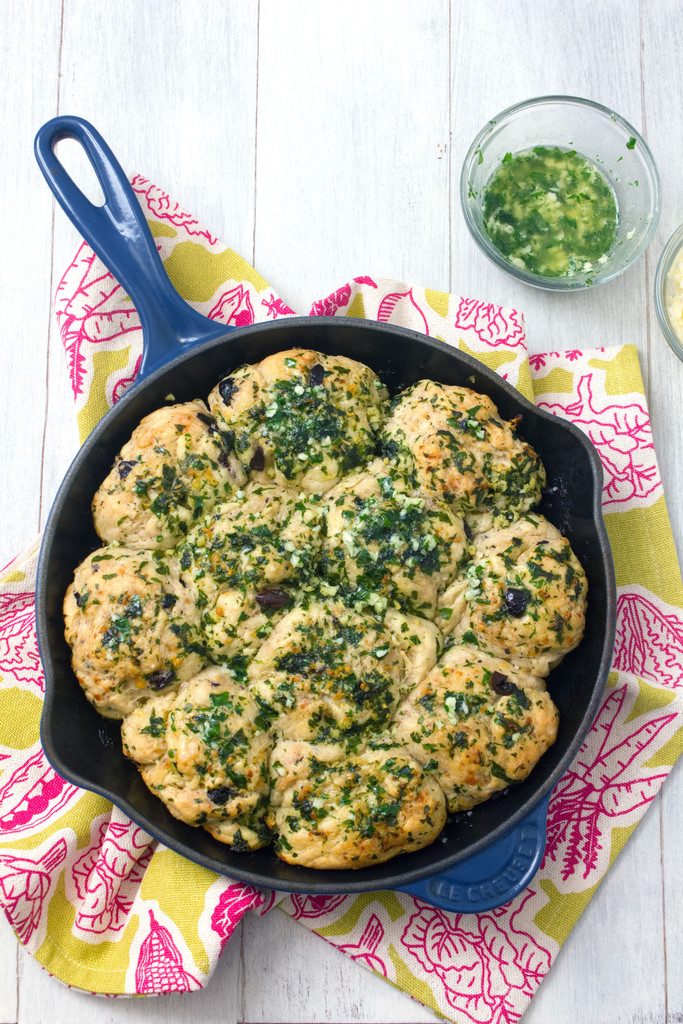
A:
x,y
105,909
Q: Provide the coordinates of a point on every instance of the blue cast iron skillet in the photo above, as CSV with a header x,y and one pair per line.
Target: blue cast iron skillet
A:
x,y
484,857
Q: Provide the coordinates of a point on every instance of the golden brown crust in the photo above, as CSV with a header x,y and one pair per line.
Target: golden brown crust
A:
x,y
244,562
270,538
523,596
204,753
385,540
301,418
174,468
131,626
329,673
476,724
330,811
451,443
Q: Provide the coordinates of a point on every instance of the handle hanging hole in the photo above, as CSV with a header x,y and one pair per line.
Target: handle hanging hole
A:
x,y
74,160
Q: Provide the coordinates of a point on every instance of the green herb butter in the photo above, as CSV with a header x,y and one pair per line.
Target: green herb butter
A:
x,y
551,212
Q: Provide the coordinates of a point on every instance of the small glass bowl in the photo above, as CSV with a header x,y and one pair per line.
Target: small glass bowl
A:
x,y
666,261
593,131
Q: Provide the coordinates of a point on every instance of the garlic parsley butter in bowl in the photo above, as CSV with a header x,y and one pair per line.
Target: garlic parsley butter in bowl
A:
x,y
560,192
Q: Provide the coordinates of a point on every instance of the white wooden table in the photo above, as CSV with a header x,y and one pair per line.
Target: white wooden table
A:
x,y
324,141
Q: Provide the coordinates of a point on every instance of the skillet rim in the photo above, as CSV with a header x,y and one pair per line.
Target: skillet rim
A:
x,y
393,880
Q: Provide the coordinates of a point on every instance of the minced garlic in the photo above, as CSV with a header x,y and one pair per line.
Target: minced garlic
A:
x,y
674,294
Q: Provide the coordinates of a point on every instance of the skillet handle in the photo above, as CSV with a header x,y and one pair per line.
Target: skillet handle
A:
x,y
495,875
118,233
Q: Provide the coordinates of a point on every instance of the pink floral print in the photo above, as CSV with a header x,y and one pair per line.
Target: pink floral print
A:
x,y
160,963
231,907
31,794
483,962
623,436
608,780
402,309
25,883
365,951
493,325
107,876
19,657
649,641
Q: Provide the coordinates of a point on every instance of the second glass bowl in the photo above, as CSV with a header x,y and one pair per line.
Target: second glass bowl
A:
x,y
597,133
663,285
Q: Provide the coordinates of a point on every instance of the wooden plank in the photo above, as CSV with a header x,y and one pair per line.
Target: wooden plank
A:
x,y
671,828
172,87
352,178
43,1000
611,968
296,976
574,48
662,32
174,93
8,974
352,147
29,71
28,81
588,50
662,40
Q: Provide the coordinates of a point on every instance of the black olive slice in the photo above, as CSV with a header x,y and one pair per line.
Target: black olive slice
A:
x,y
221,794
227,389
316,375
516,601
500,684
209,421
161,679
273,598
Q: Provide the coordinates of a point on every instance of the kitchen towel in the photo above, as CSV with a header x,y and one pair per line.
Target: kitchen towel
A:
x,y
105,909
